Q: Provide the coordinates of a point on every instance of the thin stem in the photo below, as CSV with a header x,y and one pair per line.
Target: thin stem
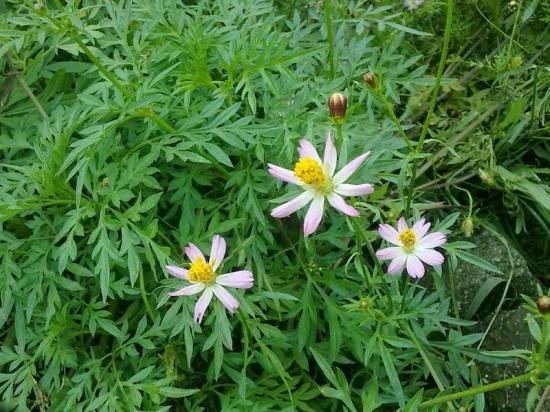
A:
x,y
144,295
359,230
339,137
542,400
480,389
389,107
543,339
424,132
330,37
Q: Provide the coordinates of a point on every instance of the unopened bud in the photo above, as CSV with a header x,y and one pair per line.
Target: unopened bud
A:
x,y
543,305
40,8
364,303
468,226
105,182
337,105
513,4
486,177
370,79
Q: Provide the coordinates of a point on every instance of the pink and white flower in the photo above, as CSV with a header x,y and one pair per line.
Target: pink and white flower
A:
x,y
412,247
316,177
202,277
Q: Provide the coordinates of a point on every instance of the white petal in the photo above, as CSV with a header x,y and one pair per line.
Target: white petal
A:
x,y
354,190
415,268
348,169
188,290
177,272
389,233
338,203
432,240
202,305
389,253
330,159
397,264
283,174
402,225
420,228
314,215
430,256
306,149
226,298
217,251
193,252
242,279
292,206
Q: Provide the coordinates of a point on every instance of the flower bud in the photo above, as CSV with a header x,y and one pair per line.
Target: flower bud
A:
x,y
468,226
543,305
337,105
40,8
486,177
370,79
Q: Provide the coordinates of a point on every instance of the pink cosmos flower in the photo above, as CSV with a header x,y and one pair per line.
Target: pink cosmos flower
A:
x,y
316,177
412,248
203,278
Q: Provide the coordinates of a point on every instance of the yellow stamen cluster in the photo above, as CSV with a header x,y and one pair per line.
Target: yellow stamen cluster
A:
x,y
200,271
408,239
310,171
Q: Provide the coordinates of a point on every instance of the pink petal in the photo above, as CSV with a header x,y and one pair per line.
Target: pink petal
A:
x,y
306,149
228,300
402,225
432,240
202,305
397,264
217,251
188,290
389,233
338,203
415,268
420,229
354,190
348,169
330,158
242,279
389,253
292,206
177,272
283,174
430,256
193,252
314,215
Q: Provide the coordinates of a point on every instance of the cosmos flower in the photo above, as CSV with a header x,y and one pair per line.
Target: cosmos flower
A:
x,y
317,179
202,277
412,247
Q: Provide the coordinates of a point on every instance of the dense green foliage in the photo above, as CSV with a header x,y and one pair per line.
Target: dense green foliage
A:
x,y
130,128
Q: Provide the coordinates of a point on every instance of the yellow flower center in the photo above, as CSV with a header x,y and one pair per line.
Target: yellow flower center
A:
x,y
200,271
408,239
310,171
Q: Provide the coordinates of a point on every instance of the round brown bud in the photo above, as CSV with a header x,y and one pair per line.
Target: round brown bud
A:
x,y
337,105
543,305
370,79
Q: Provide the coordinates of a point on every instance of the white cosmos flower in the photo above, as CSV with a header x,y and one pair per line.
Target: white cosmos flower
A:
x,y
316,177
203,278
412,248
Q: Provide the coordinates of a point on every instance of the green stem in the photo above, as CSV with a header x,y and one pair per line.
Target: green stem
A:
x,y
99,65
330,37
543,339
480,389
339,136
144,295
424,132
359,230
389,108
